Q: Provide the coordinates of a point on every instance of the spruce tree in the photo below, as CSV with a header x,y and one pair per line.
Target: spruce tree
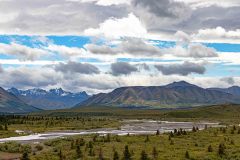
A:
x,y
108,138
5,127
115,155
154,153
91,152
171,134
60,155
194,129
144,156
221,149
126,153
210,149
25,156
100,155
187,156
147,139
79,152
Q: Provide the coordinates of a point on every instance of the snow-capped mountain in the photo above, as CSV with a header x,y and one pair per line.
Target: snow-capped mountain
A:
x,y
52,99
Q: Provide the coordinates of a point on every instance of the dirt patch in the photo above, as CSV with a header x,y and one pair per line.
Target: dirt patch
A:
x,y
9,156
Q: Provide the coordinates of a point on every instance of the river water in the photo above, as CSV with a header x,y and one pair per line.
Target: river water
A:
x,y
132,127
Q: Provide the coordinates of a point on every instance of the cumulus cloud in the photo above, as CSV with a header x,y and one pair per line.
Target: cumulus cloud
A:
x,y
198,20
228,80
129,26
132,46
135,18
202,3
66,51
141,47
138,46
75,67
186,48
1,69
101,49
218,34
20,51
158,14
181,69
26,77
61,17
200,51
182,37
143,66
194,50
122,68
42,77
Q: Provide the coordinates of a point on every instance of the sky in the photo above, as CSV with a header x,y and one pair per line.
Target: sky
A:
x,y
99,45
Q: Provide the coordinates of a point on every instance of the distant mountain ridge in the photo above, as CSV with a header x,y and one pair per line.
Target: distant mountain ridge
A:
x,y
176,94
48,100
234,90
9,103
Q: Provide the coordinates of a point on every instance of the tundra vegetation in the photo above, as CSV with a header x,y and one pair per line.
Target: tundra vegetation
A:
x,y
210,143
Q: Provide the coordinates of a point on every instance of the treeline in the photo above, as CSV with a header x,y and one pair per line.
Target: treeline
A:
x,y
18,119
32,123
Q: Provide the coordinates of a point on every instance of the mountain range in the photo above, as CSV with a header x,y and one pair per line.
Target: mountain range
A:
x,y
49,100
234,90
9,103
176,94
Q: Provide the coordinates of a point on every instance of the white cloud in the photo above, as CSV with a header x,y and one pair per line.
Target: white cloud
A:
x,y
195,50
112,2
36,62
24,77
66,51
55,17
129,26
1,68
20,51
205,3
218,34
104,2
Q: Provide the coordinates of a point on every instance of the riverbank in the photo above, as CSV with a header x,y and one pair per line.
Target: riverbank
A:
x,y
200,144
129,127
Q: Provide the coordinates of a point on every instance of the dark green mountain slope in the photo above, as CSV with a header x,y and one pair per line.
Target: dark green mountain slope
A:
x,y
11,104
177,94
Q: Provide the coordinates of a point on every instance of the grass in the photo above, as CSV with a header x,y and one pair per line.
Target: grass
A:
x,y
228,113
107,117
38,124
196,143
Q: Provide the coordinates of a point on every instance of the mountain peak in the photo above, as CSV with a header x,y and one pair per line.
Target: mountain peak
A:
x,y
180,84
234,87
13,90
55,98
57,91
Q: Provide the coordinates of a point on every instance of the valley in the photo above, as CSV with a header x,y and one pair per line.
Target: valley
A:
x,y
90,133
176,121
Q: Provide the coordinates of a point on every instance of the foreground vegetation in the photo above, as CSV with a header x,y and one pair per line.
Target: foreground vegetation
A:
x,y
28,124
228,113
211,143
109,117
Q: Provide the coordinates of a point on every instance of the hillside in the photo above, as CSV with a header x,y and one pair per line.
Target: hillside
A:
x,y
220,113
11,104
234,90
49,100
177,94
